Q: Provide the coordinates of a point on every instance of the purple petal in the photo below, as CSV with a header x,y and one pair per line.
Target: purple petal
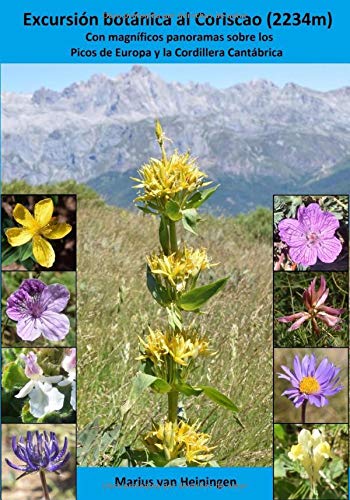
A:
x,y
327,225
17,467
28,329
59,465
297,368
291,377
310,217
322,367
291,232
306,255
328,249
54,326
55,297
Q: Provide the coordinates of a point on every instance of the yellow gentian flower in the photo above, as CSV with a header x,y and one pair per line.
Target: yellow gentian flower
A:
x,y
181,347
176,269
37,229
162,180
180,440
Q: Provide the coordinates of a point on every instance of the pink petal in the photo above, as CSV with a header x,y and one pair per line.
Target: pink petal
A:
x,y
310,216
28,329
328,225
291,317
304,255
291,232
328,319
331,310
54,326
328,249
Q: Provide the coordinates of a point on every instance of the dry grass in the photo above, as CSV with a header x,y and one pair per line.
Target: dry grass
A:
x,y
115,307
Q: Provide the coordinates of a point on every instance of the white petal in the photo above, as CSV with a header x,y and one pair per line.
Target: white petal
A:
x,y
45,399
52,380
65,382
26,390
73,396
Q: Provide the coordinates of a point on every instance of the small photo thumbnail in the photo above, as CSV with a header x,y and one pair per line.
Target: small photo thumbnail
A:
x,y
311,385
311,309
38,385
38,309
47,468
39,232
311,233
311,461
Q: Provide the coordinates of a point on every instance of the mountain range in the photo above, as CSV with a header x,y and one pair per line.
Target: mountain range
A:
x,y
254,138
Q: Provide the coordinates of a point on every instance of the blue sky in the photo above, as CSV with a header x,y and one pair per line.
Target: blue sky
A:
x,y
30,77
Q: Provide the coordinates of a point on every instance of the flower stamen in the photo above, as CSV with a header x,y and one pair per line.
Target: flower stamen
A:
x,y
309,385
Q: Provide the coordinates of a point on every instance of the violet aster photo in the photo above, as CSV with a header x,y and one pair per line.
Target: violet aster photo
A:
x,y
311,385
38,459
311,233
39,311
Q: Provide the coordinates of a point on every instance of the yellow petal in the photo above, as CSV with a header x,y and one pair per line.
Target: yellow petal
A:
x,y
18,236
43,251
43,211
55,230
22,215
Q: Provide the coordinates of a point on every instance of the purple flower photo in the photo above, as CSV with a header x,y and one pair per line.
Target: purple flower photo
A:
x,y
39,462
311,232
311,236
311,385
37,309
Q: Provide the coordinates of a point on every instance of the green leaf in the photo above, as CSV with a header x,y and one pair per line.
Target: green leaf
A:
x,y
26,251
51,418
211,393
141,382
176,462
199,198
188,390
10,255
164,235
190,218
159,293
146,210
26,416
218,398
279,432
194,299
172,210
13,376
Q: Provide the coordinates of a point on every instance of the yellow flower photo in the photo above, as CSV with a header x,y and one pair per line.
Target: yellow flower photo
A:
x,y
29,225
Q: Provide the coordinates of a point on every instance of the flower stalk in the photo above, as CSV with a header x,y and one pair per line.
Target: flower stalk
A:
x,y
44,485
171,188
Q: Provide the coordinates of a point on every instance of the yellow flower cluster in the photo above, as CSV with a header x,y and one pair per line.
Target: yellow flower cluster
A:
x,y
176,269
182,347
163,179
312,450
180,439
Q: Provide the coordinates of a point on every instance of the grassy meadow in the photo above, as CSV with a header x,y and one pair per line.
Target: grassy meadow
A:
x,y
114,307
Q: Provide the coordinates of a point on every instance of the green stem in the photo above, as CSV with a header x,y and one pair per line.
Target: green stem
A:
x,y
173,237
173,397
44,485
